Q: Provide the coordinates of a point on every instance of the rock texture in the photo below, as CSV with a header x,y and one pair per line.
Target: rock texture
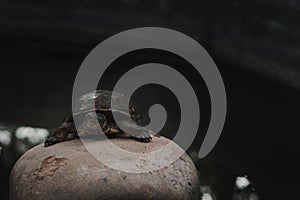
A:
x,y
68,171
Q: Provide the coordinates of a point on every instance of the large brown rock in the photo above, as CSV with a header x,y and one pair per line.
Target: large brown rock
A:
x,y
68,171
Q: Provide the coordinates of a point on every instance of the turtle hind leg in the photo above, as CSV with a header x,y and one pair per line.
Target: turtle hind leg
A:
x,y
137,132
66,131
56,137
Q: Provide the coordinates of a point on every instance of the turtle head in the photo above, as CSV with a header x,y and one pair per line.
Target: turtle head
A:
x,y
135,114
93,120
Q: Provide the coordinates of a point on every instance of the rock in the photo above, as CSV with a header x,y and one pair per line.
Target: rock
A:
x,y
68,171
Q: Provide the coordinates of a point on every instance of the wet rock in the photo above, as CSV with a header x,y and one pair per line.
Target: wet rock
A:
x,y
68,171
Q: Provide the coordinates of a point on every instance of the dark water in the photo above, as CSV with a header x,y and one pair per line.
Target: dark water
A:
x,y
260,137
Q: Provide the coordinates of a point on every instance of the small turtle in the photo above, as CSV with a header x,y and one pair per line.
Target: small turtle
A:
x,y
99,103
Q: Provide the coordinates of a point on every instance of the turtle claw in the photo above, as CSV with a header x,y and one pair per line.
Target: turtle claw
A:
x,y
145,137
146,140
52,140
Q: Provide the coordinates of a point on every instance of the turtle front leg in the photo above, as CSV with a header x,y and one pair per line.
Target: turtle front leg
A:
x,y
64,132
138,132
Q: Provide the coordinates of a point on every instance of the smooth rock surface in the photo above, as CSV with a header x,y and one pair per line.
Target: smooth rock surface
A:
x,y
68,171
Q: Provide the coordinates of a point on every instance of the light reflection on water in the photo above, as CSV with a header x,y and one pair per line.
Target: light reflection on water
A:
x,y
21,137
33,135
5,137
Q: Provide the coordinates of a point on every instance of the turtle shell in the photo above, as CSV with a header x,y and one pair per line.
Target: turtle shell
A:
x,y
100,100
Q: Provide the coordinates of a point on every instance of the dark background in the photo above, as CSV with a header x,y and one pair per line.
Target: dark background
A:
x,y
255,44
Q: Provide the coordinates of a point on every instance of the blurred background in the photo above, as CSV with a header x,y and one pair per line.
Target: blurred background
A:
x,y
255,44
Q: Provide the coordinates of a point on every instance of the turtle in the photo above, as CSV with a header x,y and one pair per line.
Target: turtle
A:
x,y
99,103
